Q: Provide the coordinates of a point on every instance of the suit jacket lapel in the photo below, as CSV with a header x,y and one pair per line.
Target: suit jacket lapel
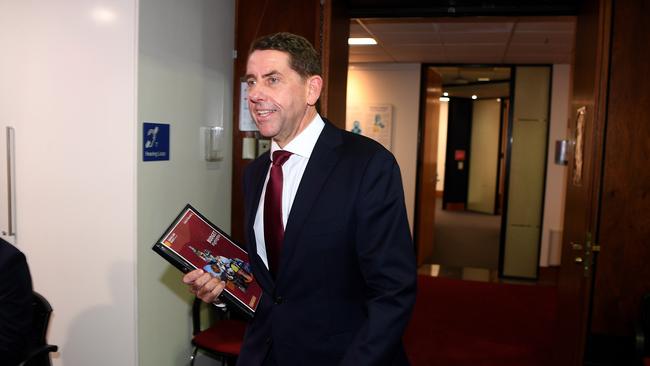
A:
x,y
324,157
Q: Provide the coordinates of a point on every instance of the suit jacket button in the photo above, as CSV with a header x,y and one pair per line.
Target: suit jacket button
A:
x,y
278,300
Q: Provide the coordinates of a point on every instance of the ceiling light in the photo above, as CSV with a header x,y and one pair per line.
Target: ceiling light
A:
x,y
445,94
474,96
361,41
483,79
444,99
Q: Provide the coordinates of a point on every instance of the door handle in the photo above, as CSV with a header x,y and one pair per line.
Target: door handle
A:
x,y
11,183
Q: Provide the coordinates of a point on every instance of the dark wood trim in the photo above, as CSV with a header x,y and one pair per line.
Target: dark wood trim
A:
x,y
590,82
326,25
425,186
506,175
255,18
624,223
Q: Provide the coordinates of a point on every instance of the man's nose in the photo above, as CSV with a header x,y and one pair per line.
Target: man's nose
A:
x,y
255,94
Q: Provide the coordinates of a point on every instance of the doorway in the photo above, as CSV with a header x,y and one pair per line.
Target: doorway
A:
x,y
477,132
469,169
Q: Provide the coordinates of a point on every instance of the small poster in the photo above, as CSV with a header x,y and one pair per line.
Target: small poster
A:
x,y
372,120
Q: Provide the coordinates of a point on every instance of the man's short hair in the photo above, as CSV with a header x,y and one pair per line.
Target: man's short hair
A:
x,y
303,58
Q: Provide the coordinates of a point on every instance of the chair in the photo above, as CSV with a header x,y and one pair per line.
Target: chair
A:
x,y
223,339
39,353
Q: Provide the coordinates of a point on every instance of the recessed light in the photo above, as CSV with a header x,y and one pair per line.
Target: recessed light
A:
x,y
483,79
445,94
361,41
444,99
474,96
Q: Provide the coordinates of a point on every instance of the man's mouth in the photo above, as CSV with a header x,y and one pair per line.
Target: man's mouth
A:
x,y
265,112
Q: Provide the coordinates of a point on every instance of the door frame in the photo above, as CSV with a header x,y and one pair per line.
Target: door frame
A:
x,y
582,203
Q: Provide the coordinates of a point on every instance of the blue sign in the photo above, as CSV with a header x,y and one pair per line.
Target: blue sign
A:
x,y
155,144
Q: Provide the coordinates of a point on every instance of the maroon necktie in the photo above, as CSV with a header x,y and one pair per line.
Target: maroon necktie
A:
x,y
273,226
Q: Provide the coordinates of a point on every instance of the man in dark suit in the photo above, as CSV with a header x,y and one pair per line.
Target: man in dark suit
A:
x,y
15,304
340,285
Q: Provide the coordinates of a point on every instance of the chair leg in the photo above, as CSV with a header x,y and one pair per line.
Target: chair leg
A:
x,y
193,356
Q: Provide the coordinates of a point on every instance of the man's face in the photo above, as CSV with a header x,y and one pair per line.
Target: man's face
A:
x,y
278,97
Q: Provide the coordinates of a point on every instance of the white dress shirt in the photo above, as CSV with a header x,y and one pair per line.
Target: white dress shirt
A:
x,y
300,148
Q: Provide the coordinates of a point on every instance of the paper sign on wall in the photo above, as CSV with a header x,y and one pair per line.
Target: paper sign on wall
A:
x,y
372,120
246,122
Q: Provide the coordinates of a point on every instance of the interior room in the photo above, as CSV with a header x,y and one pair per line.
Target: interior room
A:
x,y
530,230
487,54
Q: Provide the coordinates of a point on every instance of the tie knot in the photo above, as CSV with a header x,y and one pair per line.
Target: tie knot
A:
x,y
280,157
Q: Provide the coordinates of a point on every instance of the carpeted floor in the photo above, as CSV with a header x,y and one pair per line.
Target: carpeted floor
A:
x,y
469,323
466,239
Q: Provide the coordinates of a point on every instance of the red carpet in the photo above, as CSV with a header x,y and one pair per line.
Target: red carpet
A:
x,y
480,324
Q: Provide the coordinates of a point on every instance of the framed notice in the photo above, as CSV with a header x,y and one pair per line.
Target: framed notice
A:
x,y
192,242
372,120
246,122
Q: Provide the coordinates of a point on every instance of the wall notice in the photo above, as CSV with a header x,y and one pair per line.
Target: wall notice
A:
x,y
155,144
372,120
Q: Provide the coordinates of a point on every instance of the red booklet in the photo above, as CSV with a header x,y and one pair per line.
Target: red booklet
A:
x,y
192,241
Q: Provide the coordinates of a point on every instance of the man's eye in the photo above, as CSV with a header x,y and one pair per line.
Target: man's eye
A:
x,y
273,80
250,83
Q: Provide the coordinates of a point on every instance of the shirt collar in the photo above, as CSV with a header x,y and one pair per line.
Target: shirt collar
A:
x,y
304,143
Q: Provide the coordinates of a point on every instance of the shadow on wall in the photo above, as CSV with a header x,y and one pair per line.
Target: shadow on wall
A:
x,y
100,335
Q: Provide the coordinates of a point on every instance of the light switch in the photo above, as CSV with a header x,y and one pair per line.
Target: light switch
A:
x,y
263,146
248,148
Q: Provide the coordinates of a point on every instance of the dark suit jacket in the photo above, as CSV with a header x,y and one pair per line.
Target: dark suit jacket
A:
x,y
15,304
347,277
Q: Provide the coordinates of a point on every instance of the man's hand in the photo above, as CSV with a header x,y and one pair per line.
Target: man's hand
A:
x,y
203,285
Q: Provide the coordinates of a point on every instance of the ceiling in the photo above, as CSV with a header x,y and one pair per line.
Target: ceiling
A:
x,y
466,40
468,48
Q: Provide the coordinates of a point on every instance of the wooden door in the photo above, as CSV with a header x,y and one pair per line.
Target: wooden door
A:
x,y
425,201
586,128
326,25
622,277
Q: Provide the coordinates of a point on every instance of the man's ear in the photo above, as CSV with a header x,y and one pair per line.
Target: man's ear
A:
x,y
315,86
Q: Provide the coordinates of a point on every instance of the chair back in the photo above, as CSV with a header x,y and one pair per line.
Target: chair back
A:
x,y
39,354
223,338
41,320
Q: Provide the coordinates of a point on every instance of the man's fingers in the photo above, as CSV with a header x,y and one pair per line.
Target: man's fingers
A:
x,y
211,290
200,282
190,277
203,285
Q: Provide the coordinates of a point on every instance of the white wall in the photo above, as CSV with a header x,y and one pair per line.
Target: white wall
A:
x,y
184,79
555,174
399,85
67,86
69,75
